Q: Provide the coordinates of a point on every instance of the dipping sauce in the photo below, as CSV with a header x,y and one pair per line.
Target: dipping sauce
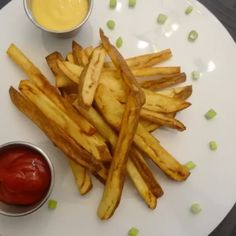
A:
x,y
24,176
59,15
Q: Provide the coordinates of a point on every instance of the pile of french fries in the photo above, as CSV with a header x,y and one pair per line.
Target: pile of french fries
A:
x,y
101,115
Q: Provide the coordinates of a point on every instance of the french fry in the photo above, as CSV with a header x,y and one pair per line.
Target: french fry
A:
x,y
57,135
155,71
178,92
146,60
89,50
90,77
112,111
162,119
163,82
149,126
35,75
82,177
92,143
117,172
79,54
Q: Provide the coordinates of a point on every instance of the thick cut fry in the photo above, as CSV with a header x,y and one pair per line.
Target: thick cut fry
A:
x,y
165,104
155,71
82,177
179,92
57,135
42,83
146,60
112,111
93,143
145,172
90,77
162,119
117,172
141,185
163,82
79,54
122,67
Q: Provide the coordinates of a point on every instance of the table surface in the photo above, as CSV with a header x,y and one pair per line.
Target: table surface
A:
x,y
225,11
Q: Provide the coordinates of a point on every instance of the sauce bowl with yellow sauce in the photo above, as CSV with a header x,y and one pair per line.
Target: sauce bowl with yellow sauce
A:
x,y
63,18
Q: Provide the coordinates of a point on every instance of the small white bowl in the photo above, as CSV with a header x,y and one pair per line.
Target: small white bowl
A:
x,y
62,34
15,210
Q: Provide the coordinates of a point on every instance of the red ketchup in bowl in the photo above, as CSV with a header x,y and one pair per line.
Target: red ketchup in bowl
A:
x,y
24,176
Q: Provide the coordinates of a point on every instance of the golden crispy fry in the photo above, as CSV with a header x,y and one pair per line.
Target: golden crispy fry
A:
x,y
57,135
155,71
162,119
122,67
90,77
117,172
141,185
163,82
82,177
52,59
144,170
112,111
42,83
178,92
70,58
146,60
165,104
149,126
79,54
93,143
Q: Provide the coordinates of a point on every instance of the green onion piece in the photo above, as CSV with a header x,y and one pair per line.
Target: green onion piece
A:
x,y
192,36
195,208
213,145
161,19
52,204
111,24
210,114
133,232
188,10
132,3
190,165
119,42
196,75
112,3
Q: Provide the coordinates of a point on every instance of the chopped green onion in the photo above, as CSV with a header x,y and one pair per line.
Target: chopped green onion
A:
x,y
213,145
190,165
52,204
210,114
111,24
188,10
112,3
196,208
119,42
132,3
192,36
196,75
133,232
161,19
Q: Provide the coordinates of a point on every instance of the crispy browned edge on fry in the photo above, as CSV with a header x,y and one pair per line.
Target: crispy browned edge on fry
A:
x,y
163,82
70,148
82,177
117,172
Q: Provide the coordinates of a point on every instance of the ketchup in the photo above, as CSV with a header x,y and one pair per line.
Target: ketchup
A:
x,y
24,176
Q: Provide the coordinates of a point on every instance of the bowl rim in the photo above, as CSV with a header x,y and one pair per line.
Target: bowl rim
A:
x,y
30,16
52,179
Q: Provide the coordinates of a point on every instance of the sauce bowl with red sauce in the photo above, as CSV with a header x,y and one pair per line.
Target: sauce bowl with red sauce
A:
x,y
26,178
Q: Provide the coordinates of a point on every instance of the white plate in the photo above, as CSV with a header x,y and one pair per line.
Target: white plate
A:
x,y
212,183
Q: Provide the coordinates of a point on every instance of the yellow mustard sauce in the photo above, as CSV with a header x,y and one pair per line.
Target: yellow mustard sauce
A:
x,y
59,15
